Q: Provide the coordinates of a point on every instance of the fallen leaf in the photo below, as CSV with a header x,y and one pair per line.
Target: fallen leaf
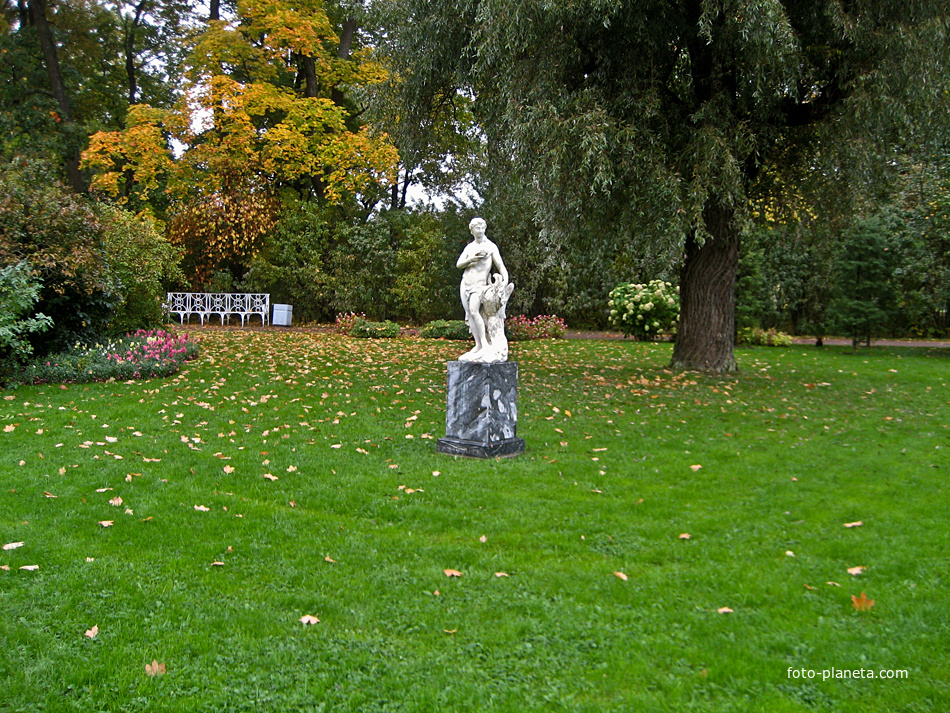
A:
x,y
102,490
695,467
621,575
155,668
853,524
501,574
686,536
269,476
452,573
12,545
228,469
106,523
862,603
833,584
483,538
450,631
9,428
329,559
856,570
116,501
201,508
30,567
724,610
93,632
5,567
789,553
308,620
811,588
291,469
217,564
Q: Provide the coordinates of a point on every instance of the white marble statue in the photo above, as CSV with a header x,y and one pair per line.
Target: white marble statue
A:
x,y
484,296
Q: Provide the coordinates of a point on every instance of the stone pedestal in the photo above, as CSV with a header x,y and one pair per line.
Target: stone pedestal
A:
x,y
481,415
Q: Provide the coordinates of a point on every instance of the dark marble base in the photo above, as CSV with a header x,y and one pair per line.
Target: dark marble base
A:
x,y
481,414
475,449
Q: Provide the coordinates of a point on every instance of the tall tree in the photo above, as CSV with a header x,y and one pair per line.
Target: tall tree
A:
x,y
656,118
264,107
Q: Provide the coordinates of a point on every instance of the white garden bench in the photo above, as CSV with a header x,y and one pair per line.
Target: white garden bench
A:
x,y
222,304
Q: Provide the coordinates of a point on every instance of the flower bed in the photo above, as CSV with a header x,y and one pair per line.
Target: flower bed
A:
x,y
140,355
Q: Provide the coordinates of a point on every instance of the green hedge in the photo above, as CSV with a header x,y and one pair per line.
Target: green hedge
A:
x,y
364,329
447,329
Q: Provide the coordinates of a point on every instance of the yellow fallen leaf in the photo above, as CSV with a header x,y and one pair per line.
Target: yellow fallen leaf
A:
x,y
116,501
329,559
93,632
269,476
856,570
450,631
695,467
155,668
228,469
862,603
621,575
308,620
452,573
217,564
789,553
291,469
9,428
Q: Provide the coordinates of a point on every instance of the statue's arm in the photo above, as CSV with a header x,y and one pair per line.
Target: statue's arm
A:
x,y
500,264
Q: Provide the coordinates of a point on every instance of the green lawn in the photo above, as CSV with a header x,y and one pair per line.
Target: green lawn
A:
x,y
209,565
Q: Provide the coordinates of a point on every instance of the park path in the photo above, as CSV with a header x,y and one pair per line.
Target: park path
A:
x,y
828,341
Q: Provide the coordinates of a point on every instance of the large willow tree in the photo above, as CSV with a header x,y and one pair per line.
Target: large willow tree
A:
x,y
656,120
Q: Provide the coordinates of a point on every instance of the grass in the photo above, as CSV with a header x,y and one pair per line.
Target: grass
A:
x,y
800,442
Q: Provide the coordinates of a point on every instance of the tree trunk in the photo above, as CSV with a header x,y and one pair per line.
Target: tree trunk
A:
x,y
40,22
706,336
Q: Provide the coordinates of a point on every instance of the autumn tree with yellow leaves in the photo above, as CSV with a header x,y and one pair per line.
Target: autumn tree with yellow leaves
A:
x,y
266,106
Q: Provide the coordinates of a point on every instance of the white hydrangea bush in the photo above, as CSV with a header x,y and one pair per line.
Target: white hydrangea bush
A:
x,y
645,312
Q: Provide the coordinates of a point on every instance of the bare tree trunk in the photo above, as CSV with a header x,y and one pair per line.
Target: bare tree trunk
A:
x,y
706,336
40,22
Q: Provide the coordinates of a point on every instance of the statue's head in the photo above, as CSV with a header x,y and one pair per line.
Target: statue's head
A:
x,y
477,222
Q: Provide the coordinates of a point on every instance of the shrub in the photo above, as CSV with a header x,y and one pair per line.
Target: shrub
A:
x,y
61,237
364,329
141,260
346,322
545,326
142,355
447,329
763,337
645,311
19,291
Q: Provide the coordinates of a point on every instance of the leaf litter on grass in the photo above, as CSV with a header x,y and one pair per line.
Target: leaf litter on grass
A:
x,y
199,405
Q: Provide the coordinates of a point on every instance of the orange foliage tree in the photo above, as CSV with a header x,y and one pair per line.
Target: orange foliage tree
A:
x,y
262,108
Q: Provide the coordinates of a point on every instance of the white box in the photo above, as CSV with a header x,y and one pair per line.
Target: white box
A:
x,y
283,315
